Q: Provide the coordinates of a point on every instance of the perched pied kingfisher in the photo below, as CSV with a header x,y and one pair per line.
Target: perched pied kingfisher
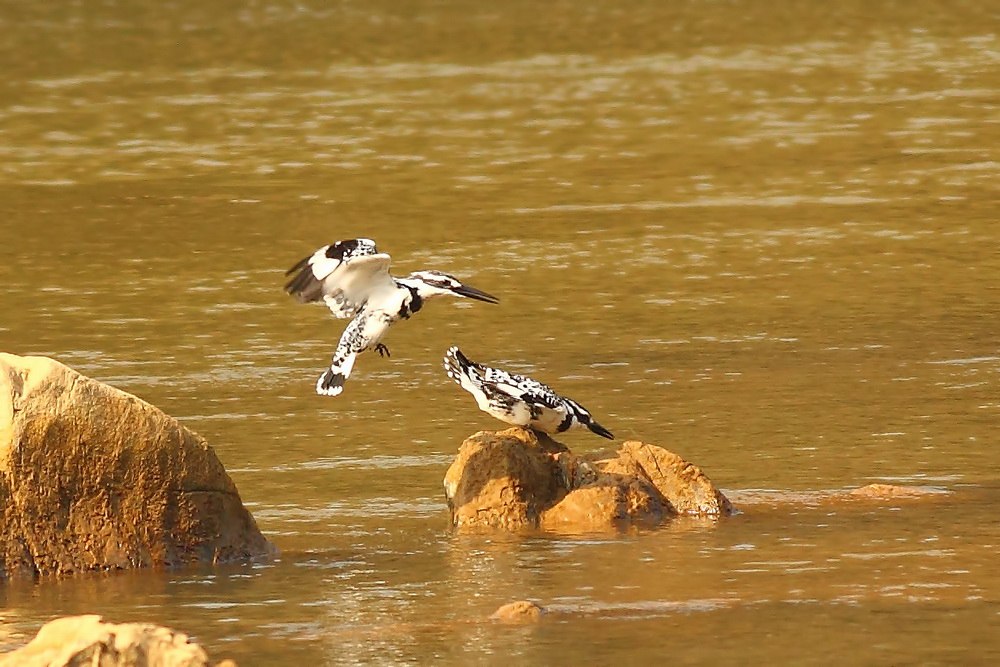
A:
x,y
353,279
518,400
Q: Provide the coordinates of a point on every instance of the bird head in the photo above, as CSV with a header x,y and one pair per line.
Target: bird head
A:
x,y
434,283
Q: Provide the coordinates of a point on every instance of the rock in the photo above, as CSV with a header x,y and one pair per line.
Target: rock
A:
x,y
891,491
85,640
683,484
518,479
93,478
503,480
522,611
603,495
611,501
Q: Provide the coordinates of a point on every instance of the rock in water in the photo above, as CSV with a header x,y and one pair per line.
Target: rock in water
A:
x,y
86,640
891,491
517,479
683,484
522,611
503,479
610,501
93,478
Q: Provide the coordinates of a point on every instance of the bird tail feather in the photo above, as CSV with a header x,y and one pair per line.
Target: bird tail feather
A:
x,y
456,364
331,382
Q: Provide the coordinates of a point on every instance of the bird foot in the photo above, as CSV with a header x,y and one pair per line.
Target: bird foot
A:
x,y
382,350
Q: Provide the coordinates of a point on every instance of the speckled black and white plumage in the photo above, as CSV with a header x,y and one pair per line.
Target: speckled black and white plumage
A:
x,y
518,400
365,332
353,279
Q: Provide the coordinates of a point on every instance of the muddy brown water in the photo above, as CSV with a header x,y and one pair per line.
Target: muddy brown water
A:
x,y
763,235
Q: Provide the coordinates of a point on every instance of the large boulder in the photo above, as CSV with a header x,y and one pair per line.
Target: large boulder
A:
x,y
93,478
518,479
85,640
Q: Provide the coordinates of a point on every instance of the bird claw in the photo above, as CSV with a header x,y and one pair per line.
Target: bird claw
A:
x,y
382,350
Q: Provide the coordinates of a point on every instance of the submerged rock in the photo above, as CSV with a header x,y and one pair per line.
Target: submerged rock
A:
x,y
517,479
858,497
86,640
93,478
522,611
892,491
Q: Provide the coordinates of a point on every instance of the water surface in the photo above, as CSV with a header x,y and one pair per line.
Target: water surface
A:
x,y
759,234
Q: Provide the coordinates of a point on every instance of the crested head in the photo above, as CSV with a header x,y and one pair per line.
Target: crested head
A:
x,y
429,284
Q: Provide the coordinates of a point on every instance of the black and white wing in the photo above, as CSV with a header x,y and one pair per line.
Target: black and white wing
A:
x,y
517,399
553,413
491,381
343,275
525,388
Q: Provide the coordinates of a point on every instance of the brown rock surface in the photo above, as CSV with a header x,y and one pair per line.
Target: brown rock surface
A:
x,y
93,478
522,611
85,640
891,491
503,479
683,484
611,501
517,479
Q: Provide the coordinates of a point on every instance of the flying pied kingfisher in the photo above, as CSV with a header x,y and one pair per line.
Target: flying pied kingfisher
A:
x,y
352,278
518,400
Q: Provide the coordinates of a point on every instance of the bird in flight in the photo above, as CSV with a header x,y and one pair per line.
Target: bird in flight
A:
x,y
352,278
517,399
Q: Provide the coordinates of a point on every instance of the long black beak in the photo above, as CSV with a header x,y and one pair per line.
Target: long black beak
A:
x,y
473,293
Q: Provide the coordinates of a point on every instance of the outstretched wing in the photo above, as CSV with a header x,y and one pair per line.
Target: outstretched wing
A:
x,y
343,275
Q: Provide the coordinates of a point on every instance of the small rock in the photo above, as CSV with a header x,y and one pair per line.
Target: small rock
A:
x,y
522,611
890,491
86,640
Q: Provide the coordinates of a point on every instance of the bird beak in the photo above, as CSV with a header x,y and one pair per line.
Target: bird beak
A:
x,y
473,293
